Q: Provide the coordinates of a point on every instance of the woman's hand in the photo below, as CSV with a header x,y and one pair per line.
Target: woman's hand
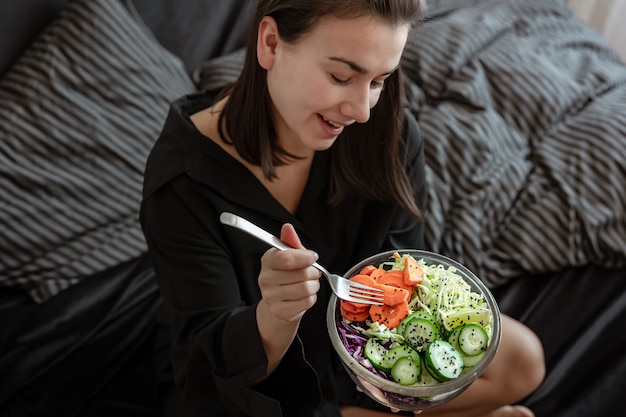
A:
x,y
289,286
288,282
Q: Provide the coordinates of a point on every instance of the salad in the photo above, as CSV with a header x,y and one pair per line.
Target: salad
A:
x,y
432,328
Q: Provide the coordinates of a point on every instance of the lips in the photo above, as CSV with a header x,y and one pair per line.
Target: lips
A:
x,y
333,124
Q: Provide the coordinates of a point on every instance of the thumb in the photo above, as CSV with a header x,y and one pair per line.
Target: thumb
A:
x,y
289,236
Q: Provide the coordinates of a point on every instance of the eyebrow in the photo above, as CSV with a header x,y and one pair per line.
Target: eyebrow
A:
x,y
356,67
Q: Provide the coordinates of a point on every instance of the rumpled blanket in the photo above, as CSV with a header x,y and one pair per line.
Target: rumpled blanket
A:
x,y
523,110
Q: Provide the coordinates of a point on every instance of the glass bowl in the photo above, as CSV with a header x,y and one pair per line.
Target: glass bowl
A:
x,y
414,397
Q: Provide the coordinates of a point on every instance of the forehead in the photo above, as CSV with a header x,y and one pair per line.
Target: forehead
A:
x,y
370,41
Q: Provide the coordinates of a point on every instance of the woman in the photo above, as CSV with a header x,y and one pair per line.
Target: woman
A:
x,y
310,143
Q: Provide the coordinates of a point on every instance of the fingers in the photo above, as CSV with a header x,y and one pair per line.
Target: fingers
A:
x,y
291,265
288,281
289,236
291,291
290,288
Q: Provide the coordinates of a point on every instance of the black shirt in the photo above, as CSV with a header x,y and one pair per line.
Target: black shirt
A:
x,y
207,272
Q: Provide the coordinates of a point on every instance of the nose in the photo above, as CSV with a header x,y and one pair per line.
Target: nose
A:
x,y
357,105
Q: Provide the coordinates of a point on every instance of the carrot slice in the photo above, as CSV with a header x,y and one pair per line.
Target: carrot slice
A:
x,y
364,279
396,272
348,315
393,295
413,272
377,273
390,316
354,307
396,279
367,270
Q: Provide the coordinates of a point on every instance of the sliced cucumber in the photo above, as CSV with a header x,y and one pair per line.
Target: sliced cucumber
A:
x,y
453,337
401,351
471,361
406,371
473,340
417,314
391,356
443,361
376,353
468,360
419,333
426,377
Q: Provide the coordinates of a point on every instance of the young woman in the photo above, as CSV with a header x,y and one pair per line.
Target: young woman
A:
x,y
312,144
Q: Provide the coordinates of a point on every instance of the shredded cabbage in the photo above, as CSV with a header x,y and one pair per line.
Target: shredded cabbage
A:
x,y
441,290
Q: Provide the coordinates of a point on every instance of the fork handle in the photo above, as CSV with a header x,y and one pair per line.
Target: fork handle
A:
x,y
240,223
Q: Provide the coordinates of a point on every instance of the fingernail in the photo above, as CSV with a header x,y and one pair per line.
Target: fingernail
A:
x,y
317,256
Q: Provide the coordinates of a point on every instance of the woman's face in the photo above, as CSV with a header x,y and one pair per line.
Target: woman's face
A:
x,y
329,79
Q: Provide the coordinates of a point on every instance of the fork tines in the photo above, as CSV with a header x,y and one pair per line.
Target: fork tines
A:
x,y
365,294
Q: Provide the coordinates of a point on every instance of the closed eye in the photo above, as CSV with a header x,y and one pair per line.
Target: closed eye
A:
x,y
373,84
339,80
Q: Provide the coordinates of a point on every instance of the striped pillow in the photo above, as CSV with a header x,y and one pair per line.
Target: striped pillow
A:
x,y
523,111
78,115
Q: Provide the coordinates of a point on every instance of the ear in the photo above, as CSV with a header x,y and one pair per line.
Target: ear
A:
x,y
267,42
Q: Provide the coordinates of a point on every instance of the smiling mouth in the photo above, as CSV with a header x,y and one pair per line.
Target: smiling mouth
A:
x,y
333,124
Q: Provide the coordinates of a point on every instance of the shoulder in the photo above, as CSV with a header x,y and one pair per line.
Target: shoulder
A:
x,y
176,148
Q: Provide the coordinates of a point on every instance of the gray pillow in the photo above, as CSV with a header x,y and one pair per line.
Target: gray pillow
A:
x,y
523,111
79,113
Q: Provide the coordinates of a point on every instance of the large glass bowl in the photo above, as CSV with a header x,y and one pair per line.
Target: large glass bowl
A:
x,y
414,397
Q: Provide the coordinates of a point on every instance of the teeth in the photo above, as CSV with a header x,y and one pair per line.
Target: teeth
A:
x,y
333,124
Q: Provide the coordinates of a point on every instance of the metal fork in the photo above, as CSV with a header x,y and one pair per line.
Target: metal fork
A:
x,y
344,288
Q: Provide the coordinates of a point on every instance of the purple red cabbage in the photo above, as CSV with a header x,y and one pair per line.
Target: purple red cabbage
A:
x,y
354,343
352,340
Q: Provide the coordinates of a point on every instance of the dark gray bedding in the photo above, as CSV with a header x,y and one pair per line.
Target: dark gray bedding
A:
x,y
523,110
79,112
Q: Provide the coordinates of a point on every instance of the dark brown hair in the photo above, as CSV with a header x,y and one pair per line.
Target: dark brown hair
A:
x,y
366,157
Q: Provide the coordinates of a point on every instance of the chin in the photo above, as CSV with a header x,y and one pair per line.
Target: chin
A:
x,y
323,144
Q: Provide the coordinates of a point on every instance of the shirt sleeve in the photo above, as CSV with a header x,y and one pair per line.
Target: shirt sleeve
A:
x,y
216,351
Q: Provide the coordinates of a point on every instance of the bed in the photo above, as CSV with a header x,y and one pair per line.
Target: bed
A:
x,y
523,110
